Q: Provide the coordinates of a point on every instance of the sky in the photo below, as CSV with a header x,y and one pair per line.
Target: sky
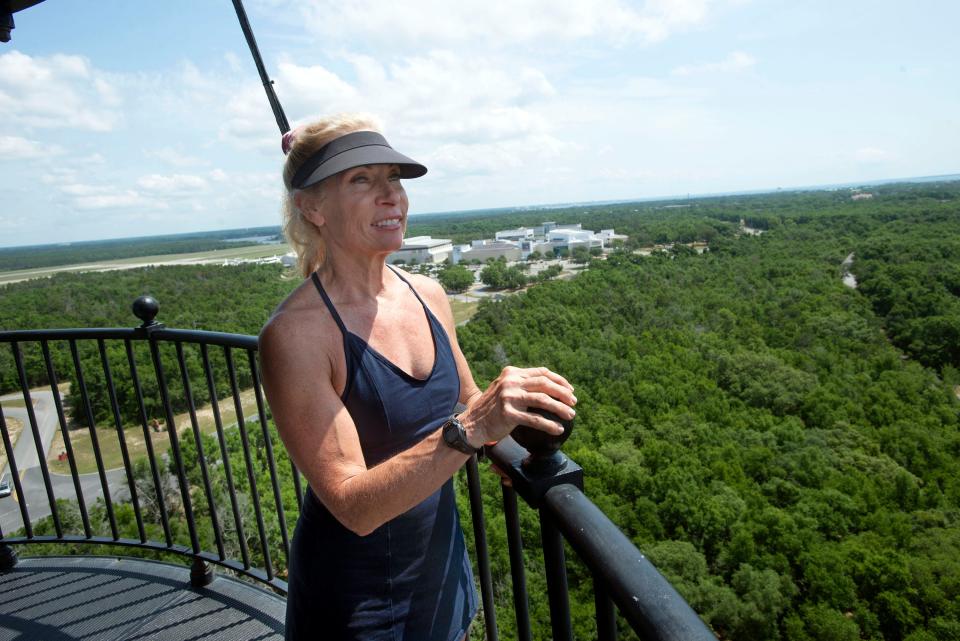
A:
x,y
122,118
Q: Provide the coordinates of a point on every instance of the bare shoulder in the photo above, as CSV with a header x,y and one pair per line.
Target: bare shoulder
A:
x,y
432,293
298,330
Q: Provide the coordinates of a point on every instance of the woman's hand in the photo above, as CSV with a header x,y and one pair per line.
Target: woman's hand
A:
x,y
504,404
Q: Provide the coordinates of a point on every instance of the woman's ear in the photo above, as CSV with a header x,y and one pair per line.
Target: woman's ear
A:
x,y
309,205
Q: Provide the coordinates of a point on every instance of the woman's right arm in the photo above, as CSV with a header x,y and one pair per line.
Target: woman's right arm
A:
x,y
323,442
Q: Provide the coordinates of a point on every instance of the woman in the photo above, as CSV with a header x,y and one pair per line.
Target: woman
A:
x,y
362,371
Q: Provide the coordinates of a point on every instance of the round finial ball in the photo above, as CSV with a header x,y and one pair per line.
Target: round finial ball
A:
x,y
540,443
146,309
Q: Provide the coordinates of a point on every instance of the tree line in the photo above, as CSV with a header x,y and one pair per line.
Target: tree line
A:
x,y
34,257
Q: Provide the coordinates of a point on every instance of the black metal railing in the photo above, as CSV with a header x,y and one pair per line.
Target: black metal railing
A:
x,y
226,494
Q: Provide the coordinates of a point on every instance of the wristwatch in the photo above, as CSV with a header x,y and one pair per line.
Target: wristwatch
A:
x,y
455,435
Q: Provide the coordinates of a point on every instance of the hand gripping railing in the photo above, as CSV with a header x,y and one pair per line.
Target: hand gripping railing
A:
x,y
225,491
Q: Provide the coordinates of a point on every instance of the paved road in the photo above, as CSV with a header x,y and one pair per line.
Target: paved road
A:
x,y
25,451
31,477
38,506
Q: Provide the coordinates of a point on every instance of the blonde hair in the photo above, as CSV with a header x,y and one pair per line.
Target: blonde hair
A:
x,y
303,236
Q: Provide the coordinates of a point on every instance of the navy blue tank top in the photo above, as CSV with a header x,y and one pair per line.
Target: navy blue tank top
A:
x,y
410,579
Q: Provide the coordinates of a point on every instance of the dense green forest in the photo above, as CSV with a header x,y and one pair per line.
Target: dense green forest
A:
x,y
785,448
99,250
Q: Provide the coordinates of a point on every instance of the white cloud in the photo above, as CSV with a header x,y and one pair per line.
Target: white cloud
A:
x,y
92,159
126,198
433,98
82,189
16,148
56,91
174,184
88,196
736,61
174,157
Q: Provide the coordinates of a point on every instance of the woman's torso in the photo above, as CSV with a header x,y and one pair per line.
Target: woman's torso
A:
x,y
410,578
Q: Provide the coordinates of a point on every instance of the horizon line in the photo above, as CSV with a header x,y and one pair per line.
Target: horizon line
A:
x,y
949,177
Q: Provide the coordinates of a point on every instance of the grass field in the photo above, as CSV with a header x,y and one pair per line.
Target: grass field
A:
x,y
248,252
463,310
14,402
133,436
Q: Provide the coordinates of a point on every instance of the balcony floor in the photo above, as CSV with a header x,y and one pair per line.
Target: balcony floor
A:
x,y
106,598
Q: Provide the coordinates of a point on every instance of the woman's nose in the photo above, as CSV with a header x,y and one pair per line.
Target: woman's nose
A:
x,y
388,188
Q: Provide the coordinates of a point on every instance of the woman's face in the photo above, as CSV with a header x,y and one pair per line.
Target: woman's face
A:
x,y
364,210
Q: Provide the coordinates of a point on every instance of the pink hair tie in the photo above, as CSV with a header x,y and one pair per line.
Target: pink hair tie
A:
x,y
288,139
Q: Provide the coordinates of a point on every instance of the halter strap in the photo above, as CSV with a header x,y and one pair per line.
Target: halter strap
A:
x,y
412,289
329,304
333,310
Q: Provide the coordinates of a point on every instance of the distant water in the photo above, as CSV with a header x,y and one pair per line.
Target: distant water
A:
x,y
273,239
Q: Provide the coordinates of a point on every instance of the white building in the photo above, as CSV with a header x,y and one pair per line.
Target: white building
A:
x,y
608,236
422,249
483,249
521,233
573,237
527,247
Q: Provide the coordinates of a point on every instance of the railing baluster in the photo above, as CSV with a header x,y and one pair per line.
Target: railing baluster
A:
x,y
175,445
37,440
518,574
251,476
15,476
555,566
225,456
201,457
268,447
606,614
118,422
483,554
94,441
65,433
148,442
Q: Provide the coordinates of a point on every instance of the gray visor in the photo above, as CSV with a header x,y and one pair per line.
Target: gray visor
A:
x,y
353,150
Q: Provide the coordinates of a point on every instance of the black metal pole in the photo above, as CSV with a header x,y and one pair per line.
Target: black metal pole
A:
x,y
65,434
606,615
261,69
225,457
518,574
483,554
35,430
555,566
15,476
148,441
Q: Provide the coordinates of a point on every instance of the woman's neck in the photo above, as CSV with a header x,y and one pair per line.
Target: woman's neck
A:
x,y
353,277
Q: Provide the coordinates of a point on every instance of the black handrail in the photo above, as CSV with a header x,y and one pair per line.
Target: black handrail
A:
x,y
624,580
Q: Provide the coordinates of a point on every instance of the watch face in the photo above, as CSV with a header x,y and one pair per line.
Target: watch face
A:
x,y
456,437
450,433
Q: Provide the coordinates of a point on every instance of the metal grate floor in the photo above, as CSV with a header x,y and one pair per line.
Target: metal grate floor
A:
x,y
106,598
